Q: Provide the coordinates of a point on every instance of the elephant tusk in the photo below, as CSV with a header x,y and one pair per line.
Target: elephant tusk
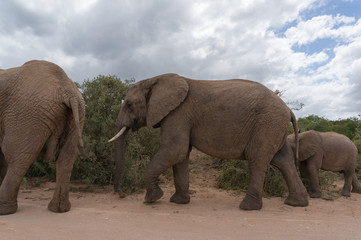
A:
x,y
120,133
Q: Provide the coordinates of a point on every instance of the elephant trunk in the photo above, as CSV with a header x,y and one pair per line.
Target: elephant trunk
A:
x,y
119,159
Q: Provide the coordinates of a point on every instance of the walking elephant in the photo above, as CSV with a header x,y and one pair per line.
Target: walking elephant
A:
x,y
41,110
226,119
328,151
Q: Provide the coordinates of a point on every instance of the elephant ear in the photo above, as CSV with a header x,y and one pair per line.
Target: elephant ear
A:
x,y
309,144
166,93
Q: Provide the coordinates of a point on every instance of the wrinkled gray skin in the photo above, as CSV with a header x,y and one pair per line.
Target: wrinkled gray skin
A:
x,y
41,112
328,151
225,119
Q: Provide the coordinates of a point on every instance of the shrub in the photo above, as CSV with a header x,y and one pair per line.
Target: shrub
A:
x,y
102,97
234,175
141,147
95,164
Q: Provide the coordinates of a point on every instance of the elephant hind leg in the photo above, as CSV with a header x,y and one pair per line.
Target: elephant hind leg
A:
x,y
356,186
346,190
64,165
297,192
3,167
11,183
258,162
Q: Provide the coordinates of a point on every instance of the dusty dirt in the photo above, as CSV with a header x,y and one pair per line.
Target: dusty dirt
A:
x,y
212,214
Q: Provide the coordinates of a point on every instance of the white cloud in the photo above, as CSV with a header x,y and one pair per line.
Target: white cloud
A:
x,y
196,38
320,27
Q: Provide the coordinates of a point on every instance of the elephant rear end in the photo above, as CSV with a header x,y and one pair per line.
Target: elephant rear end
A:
x,y
338,158
43,108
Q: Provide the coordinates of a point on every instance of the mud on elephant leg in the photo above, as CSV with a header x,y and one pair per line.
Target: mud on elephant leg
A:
x,y
181,182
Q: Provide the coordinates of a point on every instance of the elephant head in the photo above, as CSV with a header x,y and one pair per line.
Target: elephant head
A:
x,y
146,104
310,143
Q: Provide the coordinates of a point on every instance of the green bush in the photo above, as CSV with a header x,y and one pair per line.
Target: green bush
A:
x,y
95,164
274,184
141,147
41,169
234,175
102,96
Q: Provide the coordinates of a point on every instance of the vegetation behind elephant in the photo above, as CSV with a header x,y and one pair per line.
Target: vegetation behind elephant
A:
x,y
41,110
226,119
328,151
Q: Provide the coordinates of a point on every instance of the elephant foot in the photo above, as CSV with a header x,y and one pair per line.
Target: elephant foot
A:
x,y
8,207
297,200
59,206
345,193
315,194
180,198
356,190
153,195
251,203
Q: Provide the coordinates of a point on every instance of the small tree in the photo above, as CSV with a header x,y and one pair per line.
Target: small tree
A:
x,y
95,163
102,97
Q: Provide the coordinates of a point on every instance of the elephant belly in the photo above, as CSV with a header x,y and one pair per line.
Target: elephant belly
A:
x,y
336,163
222,144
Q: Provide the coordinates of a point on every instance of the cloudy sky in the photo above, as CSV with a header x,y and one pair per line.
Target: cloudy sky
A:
x,y
310,50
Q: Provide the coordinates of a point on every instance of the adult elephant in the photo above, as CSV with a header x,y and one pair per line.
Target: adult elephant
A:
x,y
226,119
40,109
328,151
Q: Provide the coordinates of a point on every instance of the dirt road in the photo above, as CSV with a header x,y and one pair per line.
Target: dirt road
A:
x,y
212,214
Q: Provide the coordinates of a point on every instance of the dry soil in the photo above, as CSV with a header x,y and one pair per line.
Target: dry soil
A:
x,y
211,214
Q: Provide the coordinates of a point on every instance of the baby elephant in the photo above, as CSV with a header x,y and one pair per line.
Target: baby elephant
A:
x,y
328,151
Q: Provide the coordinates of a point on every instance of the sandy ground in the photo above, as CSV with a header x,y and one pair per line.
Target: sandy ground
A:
x,y
212,214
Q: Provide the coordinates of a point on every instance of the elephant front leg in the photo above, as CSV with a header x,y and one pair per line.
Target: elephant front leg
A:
x,y
173,151
151,174
181,182
313,172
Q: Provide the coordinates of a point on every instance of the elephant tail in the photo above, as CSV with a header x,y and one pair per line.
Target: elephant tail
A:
x,y
74,105
75,102
296,130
